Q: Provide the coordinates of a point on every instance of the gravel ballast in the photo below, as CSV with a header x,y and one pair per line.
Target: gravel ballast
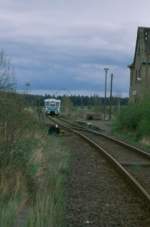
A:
x,y
97,195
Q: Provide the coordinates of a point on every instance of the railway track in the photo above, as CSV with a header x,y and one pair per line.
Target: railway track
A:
x,y
132,163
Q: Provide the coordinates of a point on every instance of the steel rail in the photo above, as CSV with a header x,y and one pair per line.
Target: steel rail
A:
x,y
129,177
126,145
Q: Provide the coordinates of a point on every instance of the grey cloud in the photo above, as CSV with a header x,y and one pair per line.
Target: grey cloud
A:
x,y
68,42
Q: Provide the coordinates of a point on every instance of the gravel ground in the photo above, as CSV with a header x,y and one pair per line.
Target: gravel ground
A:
x,y
96,194
136,164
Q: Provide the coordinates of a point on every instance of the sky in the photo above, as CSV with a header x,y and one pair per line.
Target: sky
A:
x,y
66,44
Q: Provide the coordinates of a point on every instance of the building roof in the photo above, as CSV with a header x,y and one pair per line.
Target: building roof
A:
x,y
146,36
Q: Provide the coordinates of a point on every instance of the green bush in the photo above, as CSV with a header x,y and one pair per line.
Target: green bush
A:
x,y
135,118
128,118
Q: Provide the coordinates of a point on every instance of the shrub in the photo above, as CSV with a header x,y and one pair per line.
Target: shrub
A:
x,y
128,118
135,118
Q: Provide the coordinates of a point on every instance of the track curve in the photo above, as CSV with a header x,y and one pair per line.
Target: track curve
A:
x,y
132,163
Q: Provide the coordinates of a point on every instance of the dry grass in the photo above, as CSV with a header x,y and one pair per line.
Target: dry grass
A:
x,y
48,209
33,167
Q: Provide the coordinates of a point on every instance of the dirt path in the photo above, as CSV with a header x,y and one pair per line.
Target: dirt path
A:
x,y
96,194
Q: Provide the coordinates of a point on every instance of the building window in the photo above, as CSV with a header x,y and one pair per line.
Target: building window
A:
x,y
134,92
138,75
139,50
146,35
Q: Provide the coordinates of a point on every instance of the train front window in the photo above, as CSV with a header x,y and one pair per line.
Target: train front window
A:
x,y
52,104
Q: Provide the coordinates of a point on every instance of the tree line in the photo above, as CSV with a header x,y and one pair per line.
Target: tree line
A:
x,y
77,100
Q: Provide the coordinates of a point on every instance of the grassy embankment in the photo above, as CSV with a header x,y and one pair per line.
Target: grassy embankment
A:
x,y
33,167
133,123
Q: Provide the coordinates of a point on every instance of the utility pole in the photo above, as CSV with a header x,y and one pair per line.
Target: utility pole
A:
x,y
105,95
110,99
118,103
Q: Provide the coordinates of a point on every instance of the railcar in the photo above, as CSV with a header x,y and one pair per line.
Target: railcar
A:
x,y
52,106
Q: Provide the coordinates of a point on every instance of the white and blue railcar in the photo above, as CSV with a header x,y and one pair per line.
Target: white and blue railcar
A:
x,y
52,106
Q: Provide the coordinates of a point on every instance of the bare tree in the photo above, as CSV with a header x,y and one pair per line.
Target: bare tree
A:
x,y
7,81
8,104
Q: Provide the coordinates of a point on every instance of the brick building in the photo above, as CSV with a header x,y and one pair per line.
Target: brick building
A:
x,y
140,68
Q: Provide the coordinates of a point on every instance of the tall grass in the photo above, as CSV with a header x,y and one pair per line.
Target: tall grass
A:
x,y
33,167
8,212
17,130
48,209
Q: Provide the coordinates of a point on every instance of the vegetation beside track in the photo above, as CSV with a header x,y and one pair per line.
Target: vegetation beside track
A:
x,y
33,166
48,208
133,122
